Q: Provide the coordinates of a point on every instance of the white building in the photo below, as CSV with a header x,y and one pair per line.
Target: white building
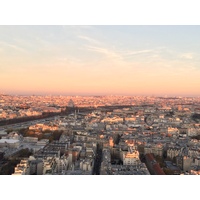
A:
x,y
87,165
36,166
62,164
42,142
3,132
10,143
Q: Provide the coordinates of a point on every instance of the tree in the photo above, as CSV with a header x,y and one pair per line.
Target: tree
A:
x,y
9,167
24,153
168,171
9,131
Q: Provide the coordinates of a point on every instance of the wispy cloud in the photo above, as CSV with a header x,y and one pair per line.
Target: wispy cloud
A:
x,y
89,39
130,53
12,46
99,47
187,56
115,53
122,56
104,51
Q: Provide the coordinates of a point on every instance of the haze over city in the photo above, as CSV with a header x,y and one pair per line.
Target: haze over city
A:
x,y
92,88
100,60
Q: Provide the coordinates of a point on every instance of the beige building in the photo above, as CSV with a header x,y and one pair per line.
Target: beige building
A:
x,y
173,152
156,149
22,168
30,139
131,157
187,161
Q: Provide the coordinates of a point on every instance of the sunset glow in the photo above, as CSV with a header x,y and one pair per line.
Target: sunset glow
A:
x,y
100,60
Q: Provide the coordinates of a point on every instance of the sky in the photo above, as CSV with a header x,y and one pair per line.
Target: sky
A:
x,y
100,60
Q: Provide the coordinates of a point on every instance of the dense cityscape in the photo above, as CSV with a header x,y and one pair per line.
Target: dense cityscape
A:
x,y
99,100
93,93
99,135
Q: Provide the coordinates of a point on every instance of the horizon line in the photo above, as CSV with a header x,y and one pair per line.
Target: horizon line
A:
x,y
90,95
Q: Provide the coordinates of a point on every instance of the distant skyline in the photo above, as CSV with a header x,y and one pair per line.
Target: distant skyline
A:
x,y
100,60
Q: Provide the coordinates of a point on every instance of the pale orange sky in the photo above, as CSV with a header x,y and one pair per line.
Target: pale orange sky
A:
x,y
78,60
